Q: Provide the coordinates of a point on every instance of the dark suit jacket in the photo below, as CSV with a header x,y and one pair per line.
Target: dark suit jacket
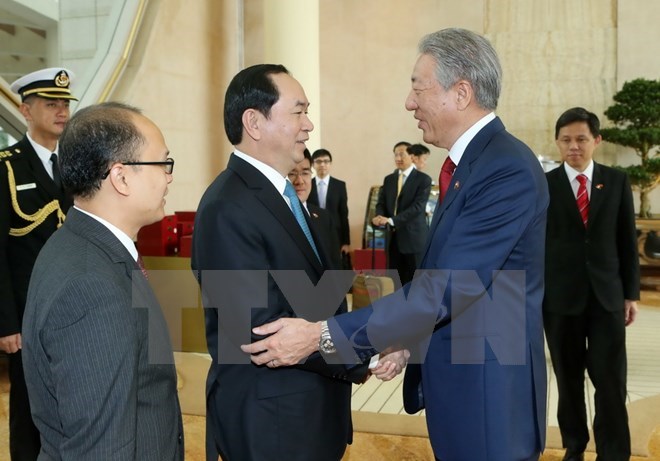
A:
x,y
410,219
96,352
480,403
243,226
336,203
322,224
603,256
33,189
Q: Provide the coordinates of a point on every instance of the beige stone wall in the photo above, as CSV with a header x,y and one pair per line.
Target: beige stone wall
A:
x,y
185,57
368,49
555,54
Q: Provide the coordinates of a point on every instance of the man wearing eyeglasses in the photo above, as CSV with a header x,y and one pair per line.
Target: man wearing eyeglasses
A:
x,y
330,194
320,220
98,360
32,206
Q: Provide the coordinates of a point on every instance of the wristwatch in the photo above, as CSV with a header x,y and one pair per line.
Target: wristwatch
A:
x,y
326,346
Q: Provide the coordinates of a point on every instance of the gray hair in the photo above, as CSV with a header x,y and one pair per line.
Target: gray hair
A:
x,y
461,54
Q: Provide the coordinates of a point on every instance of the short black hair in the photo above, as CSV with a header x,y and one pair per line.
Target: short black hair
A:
x,y
251,88
418,149
96,137
308,156
401,143
578,114
321,153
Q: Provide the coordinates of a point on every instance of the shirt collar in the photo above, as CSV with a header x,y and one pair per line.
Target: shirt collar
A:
x,y
123,238
458,149
268,171
43,153
407,171
326,180
572,173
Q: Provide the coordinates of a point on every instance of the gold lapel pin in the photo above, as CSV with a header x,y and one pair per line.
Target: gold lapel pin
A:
x,y
599,186
457,184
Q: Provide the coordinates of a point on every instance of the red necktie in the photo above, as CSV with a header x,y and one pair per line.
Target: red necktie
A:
x,y
446,172
583,199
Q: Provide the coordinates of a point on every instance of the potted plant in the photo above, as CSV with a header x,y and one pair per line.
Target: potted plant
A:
x,y
636,117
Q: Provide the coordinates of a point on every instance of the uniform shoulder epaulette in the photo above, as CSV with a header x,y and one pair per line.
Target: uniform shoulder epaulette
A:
x,y
4,154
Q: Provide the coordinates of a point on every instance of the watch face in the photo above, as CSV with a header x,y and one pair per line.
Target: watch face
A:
x,y
327,346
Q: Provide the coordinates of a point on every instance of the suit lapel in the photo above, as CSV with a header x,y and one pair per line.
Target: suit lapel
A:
x,y
390,191
598,192
101,236
274,204
315,228
38,170
471,155
328,193
408,184
314,195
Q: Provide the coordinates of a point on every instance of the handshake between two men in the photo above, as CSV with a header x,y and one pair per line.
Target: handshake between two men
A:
x,y
291,340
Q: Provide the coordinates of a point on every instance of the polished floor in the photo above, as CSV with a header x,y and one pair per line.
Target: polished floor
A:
x,y
385,432
643,345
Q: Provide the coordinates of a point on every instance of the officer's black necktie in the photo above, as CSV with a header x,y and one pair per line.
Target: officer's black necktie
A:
x,y
57,179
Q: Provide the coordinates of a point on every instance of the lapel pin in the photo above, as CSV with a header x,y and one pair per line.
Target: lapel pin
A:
x,y
457,184
599,186
315,215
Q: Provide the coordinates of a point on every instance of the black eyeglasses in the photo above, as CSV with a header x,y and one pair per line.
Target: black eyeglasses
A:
x,y
168,164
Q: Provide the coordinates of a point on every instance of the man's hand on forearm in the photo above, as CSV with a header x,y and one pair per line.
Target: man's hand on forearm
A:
x,y
290,341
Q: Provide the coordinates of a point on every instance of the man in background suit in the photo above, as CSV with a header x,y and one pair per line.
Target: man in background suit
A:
x,y
419,154
592,287
301,178
331,196
98,360
245,223
32,206
402,205
481,403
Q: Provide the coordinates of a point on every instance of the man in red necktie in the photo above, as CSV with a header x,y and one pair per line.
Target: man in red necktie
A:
x,y
446,173
591,287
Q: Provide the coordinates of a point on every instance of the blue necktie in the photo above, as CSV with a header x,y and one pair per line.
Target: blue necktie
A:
x,y
290,192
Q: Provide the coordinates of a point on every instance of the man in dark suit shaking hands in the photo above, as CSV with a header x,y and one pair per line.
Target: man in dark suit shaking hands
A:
x,y
591,287
251,221
98,360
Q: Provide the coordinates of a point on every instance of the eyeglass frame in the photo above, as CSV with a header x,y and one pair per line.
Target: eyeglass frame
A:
x,y
169,164
305,174
322,161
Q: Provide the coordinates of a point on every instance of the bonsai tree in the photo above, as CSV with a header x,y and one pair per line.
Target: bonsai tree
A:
x,y
636,116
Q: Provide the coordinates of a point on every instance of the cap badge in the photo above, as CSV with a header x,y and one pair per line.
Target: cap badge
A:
x,y
62,79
